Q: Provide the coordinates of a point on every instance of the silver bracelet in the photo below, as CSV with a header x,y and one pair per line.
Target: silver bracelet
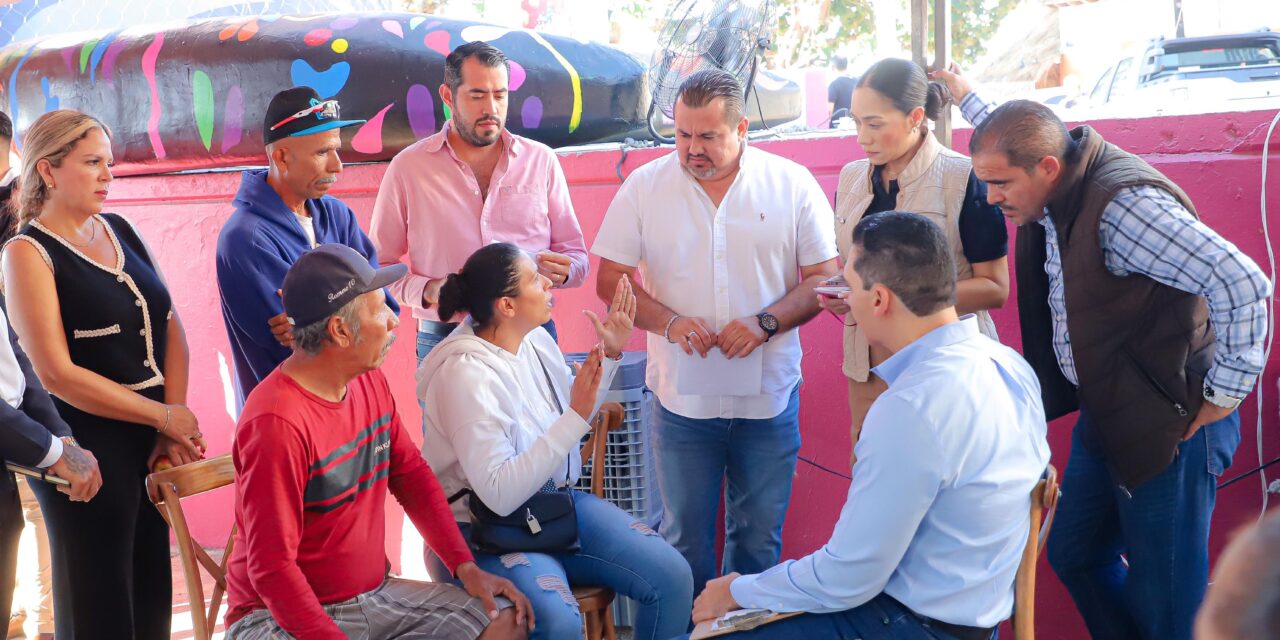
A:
x,y
666,333
168,414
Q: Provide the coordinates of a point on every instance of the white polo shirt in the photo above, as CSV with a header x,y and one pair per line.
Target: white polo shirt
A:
x,y
720,263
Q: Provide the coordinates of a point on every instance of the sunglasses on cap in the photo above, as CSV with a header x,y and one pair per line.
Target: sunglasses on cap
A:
x,y
326,110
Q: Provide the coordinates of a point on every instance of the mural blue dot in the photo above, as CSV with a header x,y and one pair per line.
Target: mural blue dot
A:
x,y
327,83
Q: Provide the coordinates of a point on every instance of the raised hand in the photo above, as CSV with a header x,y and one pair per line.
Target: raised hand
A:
x,y
616,328
582,397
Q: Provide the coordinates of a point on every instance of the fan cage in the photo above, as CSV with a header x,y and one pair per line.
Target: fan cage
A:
x,y
705,34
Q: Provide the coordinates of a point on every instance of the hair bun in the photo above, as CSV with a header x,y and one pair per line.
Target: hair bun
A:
x,y
937,99
453,296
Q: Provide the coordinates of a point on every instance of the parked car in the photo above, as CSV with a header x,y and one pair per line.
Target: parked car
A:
x,y
1232,72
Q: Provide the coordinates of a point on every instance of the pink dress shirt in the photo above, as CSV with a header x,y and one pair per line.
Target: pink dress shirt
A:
x,y
429,209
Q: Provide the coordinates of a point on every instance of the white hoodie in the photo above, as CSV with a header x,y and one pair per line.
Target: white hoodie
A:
x,y
491,423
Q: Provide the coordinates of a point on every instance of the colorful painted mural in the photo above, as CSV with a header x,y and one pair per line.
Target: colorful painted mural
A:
x,y
29,19
191,96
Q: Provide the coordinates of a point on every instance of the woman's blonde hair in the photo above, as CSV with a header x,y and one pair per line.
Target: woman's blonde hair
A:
x,y
51,137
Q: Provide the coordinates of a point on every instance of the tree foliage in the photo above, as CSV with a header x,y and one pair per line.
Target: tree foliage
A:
x,y
811,32
973,22
424,6
802,41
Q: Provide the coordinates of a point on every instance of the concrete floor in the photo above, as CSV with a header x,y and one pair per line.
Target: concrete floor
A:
x,y
181,629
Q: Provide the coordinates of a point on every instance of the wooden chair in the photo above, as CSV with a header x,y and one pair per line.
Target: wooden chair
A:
x,y
167,489
1044,504
594,602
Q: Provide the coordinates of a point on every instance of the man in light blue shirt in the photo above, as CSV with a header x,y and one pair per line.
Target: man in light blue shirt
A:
x,y
937,515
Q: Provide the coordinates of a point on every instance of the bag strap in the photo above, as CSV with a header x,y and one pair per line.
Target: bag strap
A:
x,y
555,397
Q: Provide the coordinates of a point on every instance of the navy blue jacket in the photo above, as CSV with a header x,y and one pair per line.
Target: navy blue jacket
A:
x,y
256,247
25,436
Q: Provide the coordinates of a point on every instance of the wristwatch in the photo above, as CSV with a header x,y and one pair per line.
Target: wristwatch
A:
x,y
1220,399
69,441
767,322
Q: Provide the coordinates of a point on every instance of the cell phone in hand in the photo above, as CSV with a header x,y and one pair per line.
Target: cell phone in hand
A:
x,y
832,287
38,474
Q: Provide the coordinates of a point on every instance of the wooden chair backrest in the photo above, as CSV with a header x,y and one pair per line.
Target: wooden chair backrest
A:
x,y
1044,504
607,419
167,489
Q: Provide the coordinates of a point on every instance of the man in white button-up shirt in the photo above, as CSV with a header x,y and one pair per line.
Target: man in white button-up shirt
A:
x,y
730,241
933,530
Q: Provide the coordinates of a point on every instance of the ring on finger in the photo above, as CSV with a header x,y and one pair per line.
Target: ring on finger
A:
x,y
691,335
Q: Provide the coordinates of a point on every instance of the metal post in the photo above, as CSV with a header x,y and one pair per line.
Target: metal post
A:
x,y
919,30
941,60
942,48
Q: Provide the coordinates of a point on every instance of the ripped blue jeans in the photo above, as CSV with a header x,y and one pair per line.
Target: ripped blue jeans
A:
x,y
617,552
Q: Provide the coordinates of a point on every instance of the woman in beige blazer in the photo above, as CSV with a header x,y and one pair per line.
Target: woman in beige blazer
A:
x,y
907,169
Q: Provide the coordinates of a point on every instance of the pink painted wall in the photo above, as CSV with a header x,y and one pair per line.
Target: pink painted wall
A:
x,y
1214,157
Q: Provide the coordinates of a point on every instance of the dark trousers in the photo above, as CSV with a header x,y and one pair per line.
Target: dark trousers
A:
x,y
11,522
1136,563
882,618
111,573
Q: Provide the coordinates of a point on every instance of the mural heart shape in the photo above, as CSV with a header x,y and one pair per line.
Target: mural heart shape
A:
x,y
327,83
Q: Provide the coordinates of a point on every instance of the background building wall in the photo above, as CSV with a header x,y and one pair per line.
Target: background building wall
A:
x,y
1215,158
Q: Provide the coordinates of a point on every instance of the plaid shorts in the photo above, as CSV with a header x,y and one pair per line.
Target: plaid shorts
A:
x,y
396,609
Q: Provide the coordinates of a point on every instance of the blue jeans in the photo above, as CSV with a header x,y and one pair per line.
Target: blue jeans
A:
x,y
1161,529
881,618
617,552
754,459
428,341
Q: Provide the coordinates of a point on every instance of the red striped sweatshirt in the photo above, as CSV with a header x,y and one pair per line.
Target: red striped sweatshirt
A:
x,y
311,486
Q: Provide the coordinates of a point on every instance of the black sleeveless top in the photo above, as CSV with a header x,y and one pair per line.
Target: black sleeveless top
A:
x,y
115,318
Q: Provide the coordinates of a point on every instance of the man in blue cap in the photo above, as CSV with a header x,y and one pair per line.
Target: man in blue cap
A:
x,y
280,213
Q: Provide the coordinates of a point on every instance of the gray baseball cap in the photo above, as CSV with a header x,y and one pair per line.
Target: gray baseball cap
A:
x,y
328,277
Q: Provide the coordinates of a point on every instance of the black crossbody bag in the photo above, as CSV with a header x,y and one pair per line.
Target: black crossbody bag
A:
x,y
546,523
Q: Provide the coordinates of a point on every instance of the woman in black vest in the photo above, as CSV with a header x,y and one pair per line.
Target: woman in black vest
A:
x,y
94,315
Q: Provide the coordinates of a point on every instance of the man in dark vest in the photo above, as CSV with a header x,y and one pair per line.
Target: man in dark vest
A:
x,y
1150,323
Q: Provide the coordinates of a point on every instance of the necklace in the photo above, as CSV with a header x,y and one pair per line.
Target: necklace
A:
x,y
92,237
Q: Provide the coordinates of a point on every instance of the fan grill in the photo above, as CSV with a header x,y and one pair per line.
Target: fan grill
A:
x,y
703,34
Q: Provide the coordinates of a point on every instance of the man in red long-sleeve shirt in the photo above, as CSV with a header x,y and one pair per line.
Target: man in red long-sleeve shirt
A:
x,y
318,445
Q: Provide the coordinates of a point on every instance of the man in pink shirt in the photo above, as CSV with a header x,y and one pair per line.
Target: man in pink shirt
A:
x,y
472,184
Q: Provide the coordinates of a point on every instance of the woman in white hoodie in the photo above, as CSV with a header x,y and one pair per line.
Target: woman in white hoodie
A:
x,y
505,417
